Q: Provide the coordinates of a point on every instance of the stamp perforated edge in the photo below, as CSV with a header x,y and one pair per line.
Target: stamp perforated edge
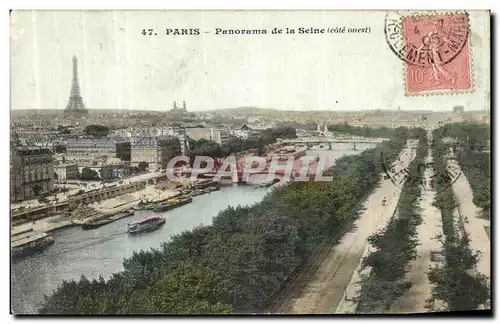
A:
x,y
441,92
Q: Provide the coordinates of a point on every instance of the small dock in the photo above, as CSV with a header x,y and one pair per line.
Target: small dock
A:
x,y
19,241
25,245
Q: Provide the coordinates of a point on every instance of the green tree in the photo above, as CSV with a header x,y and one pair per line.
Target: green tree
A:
x,y
89,174
170,148
143,166
205,147
37,190
457,283
187,289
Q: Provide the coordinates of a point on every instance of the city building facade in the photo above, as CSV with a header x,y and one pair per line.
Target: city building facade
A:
x,y
31,172
111,146
65,172
145,149
220,137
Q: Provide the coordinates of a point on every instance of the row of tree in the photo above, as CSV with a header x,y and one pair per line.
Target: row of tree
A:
x,y
471,145
476,167
89,174
395,246
457,282
237,263
469,136
472,150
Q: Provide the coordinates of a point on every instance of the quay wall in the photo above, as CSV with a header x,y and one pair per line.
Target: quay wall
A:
x,y
29,215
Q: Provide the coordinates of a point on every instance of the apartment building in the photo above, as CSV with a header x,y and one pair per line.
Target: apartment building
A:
x,y
31,172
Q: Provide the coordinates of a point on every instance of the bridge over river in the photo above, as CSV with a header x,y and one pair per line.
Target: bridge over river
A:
x,y
331,140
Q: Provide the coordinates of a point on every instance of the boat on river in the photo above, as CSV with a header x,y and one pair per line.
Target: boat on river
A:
x,y
101,222
147,224
145,206
199,192
29,244
211,189
96,224
172,203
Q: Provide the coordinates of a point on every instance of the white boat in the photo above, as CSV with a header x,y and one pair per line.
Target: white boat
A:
x,y
147,224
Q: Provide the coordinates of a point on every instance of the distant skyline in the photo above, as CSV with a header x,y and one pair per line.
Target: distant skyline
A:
x,y
121,69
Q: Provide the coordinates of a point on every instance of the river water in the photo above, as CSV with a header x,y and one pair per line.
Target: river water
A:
x,y
102,251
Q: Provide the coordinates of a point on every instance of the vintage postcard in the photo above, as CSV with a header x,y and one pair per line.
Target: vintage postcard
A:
x,y
250,162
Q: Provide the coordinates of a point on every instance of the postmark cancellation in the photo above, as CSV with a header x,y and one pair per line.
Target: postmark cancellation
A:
x,y
434,49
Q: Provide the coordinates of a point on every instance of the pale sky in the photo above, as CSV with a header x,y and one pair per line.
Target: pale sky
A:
x,y
119,68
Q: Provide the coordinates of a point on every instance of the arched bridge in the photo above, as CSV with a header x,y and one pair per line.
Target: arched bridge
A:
x,y
331,140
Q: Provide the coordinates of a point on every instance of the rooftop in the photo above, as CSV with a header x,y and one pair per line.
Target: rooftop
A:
x,y
65,165
32,150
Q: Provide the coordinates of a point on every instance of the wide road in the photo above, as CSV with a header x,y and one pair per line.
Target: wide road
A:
x,y
474,225
325,289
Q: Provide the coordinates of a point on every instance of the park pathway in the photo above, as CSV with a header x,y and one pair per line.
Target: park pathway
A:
x,y
414,300
474,225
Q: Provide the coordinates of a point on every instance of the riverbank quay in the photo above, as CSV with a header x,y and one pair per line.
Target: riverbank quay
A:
x,y
34,236
30,244
30,215
47,225
109,207
28,223
242,257
25,213
59,216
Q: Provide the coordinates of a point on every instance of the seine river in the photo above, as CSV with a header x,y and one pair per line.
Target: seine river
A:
x,y
101,251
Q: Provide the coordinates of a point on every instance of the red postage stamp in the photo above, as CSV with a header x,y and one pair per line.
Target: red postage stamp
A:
x,y
437,57
435,51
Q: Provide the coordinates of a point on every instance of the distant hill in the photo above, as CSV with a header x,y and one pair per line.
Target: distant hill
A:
x,y
256,110
241,110
248,111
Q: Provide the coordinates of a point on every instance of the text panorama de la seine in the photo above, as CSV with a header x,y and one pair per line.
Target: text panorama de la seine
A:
x,y
265,31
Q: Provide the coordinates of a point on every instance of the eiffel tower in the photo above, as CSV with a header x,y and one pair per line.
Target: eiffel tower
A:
x,y
75,106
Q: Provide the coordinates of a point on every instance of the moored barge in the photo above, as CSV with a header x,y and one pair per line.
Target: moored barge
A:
x,y
29,244
172,203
